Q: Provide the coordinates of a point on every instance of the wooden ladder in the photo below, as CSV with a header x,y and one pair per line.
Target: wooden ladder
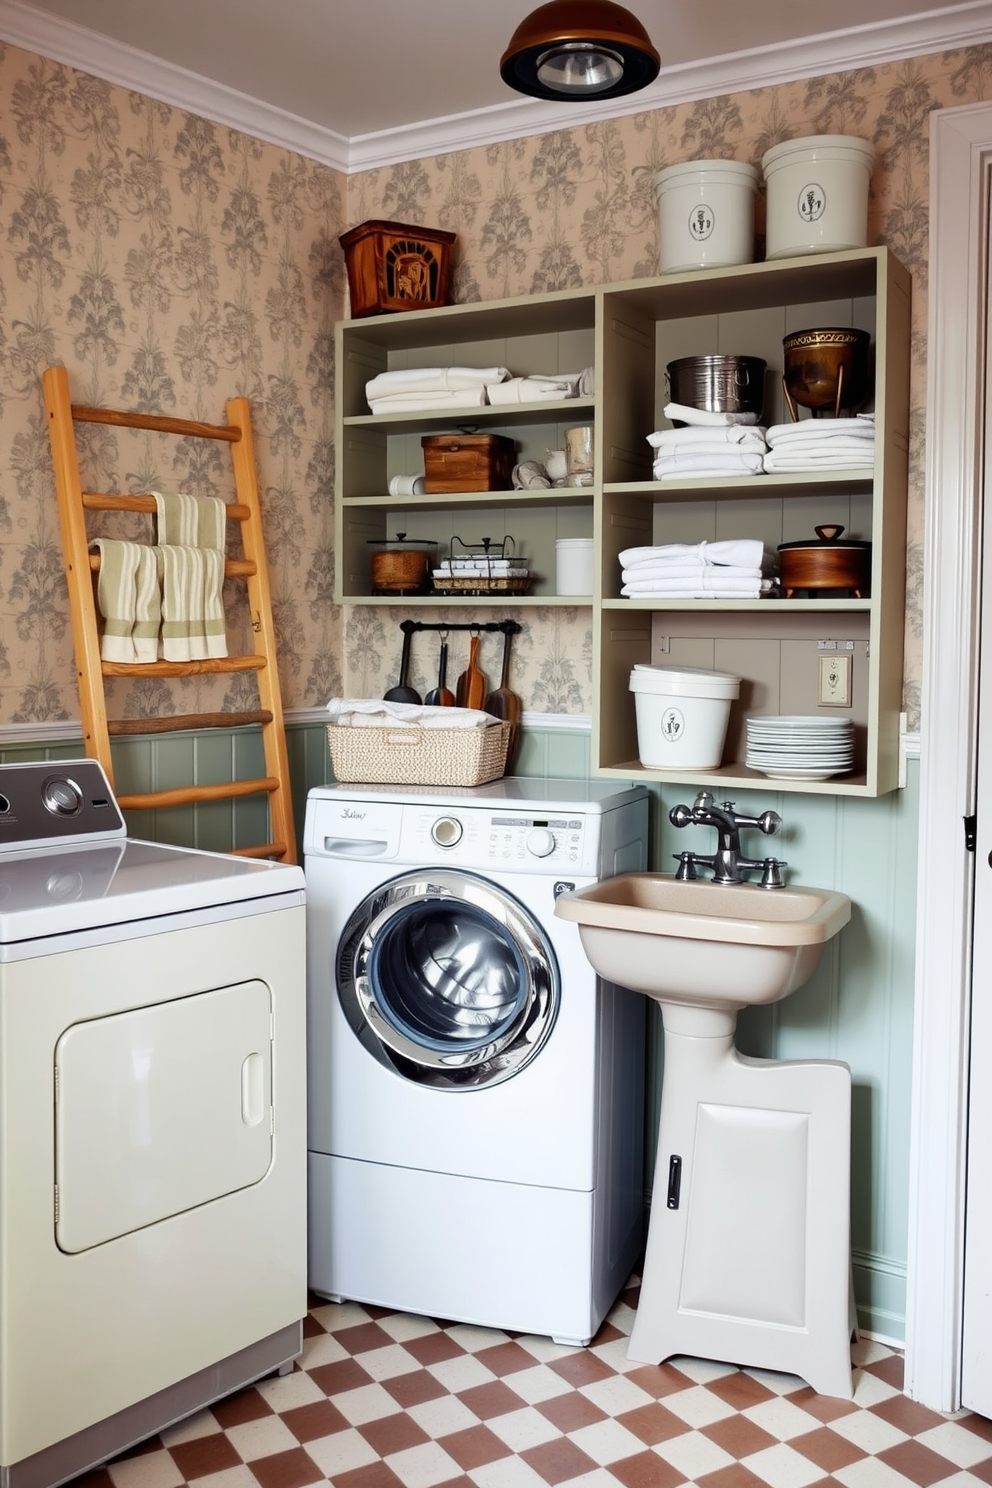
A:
x,y
81,567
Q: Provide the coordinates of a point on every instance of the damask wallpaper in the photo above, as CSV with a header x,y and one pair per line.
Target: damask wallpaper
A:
x,y
170,263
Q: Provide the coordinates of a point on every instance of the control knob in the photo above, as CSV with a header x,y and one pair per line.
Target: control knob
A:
x,y
447,831
540,842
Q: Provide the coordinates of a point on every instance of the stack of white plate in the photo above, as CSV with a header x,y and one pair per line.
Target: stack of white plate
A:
x,y
800,746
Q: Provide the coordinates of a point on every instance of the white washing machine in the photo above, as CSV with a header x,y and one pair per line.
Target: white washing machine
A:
x,y
152,1125
475,1091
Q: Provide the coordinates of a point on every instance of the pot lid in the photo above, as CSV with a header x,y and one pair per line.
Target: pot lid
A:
x,y
828,539
402,544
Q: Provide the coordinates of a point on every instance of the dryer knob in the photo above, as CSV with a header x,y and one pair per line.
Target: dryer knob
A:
x,y
540,842
61,797
447,831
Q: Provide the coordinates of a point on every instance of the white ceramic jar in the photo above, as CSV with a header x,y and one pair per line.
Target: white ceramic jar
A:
x,y
573,565
817,194
705,214
682,715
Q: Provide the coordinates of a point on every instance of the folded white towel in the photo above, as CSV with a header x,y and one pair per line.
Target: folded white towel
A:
x,y
191,521
409,402
432,380
376,713
533,389
742,552
693,467
703,417
821,431
702,439
815,458
863,447
641,573
701,589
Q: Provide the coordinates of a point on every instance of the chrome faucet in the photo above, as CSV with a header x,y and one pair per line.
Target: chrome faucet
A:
x,y
728,864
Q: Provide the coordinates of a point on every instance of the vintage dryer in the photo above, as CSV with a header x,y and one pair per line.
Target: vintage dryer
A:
x,y
475,1092
152,1125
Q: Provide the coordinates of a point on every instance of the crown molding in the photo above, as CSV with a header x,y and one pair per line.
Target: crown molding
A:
x,y
872,45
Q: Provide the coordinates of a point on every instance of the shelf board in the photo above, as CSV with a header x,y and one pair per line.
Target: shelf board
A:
x,y
555,496
505,415
794,483
479,320
569,601
737,776
764,606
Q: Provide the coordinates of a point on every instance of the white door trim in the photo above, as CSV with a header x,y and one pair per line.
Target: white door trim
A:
x,y
960,157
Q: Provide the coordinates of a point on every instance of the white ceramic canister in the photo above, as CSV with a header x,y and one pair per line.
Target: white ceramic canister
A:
x,y
573,565
817,194
682,715
705,214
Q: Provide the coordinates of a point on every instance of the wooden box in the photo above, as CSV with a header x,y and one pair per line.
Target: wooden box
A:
x,y
392,266
468,462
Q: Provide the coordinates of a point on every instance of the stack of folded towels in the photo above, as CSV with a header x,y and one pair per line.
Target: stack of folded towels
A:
x,y
738,568
711,445
818,444
470,387
376,713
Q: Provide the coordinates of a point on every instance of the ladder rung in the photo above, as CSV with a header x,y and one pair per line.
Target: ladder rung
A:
x,y
162,423
186,794
236,511
263,850
180,721
183,668
234,568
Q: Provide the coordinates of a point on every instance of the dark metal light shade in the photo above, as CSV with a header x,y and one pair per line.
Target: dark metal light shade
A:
x,y
575,49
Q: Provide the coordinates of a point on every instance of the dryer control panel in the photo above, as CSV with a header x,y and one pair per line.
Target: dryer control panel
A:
x,y
47,802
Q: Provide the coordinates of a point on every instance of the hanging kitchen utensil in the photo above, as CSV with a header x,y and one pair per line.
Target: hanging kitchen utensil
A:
x,y
472,684
504,704
403,692
441,696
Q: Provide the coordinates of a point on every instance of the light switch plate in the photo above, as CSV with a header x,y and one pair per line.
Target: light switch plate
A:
x,y
835,680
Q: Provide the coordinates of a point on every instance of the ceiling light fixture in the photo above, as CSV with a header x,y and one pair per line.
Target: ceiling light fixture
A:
x,y
574,49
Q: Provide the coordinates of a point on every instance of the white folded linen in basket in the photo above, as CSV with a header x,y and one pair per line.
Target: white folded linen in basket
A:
x,y
377,713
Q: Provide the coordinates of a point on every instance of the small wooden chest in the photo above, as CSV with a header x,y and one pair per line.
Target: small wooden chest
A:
x,y
392,266
468,462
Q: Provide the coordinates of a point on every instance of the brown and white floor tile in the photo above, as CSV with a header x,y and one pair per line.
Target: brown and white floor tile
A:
x,y
382,1399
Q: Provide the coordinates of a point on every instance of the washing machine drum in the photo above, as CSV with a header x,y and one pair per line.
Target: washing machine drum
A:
x,y
448,979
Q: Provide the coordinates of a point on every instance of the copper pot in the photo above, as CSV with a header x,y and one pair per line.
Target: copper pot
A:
x,y
826,369
828,563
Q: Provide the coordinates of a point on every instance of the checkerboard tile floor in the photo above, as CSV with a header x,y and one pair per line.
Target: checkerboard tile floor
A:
x,y
382,1399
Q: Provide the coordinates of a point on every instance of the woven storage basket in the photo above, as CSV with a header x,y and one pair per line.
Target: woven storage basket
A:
x,y
412,756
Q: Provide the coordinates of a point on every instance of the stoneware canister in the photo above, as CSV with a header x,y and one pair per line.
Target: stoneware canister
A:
x,y
705,214
574,565
817,194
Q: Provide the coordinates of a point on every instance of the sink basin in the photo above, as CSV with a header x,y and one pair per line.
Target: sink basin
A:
x,y
702,944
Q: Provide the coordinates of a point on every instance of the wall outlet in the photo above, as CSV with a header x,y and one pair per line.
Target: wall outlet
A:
x,y
835,681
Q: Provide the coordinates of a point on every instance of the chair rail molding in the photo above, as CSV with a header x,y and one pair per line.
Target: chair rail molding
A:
x,y
960,163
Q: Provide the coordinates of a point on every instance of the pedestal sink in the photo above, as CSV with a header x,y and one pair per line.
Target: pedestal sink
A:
x,y
748,1250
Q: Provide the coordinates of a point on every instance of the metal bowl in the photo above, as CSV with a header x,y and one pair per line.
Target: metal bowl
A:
x,y
826,368
719,384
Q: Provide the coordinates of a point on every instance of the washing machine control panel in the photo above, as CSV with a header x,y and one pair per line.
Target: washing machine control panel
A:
x,y
497,838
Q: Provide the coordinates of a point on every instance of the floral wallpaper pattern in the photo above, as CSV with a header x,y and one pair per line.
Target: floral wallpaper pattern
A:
x,y
171,263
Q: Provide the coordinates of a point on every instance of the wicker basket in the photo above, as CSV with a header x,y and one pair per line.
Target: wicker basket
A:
x,y
412,756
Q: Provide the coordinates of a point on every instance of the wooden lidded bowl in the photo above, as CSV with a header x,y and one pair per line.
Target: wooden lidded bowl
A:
x,y
826,368
401,566
827,563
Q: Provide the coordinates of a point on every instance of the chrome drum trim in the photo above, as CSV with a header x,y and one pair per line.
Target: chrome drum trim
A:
x,y
389,1035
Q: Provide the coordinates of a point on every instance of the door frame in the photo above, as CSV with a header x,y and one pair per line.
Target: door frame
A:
x,y
960,163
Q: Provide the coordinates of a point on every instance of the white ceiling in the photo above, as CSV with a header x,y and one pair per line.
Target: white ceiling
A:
x,y
363,82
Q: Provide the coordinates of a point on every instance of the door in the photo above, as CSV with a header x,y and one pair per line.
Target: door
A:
x,y
447,979
976,1364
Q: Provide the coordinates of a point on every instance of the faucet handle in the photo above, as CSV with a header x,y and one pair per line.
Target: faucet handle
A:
x,y
769,822
680,816
686,871
771,875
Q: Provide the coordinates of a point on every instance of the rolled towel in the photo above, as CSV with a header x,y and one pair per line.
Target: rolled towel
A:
x,y
376,712
191,521
704,417
432,380
741,552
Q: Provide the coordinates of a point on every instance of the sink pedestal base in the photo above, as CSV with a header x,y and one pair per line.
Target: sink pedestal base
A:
x,y
748,1251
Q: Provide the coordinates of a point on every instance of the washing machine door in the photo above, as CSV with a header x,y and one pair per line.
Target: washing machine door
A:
x,y
448,979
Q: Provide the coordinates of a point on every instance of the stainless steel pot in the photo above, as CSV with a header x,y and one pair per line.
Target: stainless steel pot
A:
x,y
719,384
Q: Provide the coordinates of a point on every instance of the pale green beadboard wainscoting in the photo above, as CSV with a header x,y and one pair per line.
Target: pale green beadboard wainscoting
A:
x,y
858,1007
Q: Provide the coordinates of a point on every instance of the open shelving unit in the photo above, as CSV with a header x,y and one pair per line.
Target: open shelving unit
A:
x,y
629,332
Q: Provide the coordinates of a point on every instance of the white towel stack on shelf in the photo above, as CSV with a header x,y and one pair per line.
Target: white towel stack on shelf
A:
x,y
738,568
432,387
818,444
537,387
711,445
